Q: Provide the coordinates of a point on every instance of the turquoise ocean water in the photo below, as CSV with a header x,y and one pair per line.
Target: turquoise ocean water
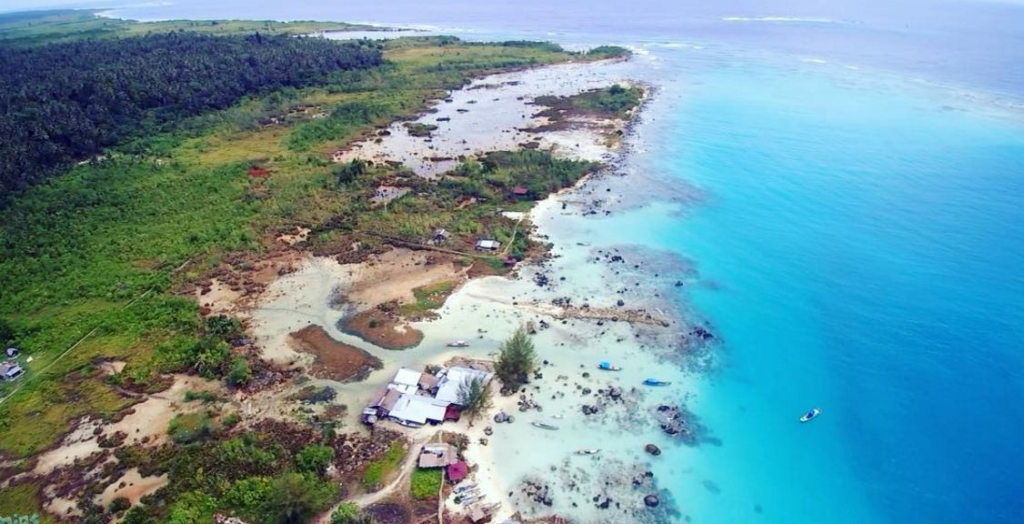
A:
x,y
859,238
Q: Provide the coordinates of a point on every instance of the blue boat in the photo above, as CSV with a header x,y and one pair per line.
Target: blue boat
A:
x,y
655,382
608,366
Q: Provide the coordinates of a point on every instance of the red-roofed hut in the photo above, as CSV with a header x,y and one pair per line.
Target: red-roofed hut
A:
x,y
457,471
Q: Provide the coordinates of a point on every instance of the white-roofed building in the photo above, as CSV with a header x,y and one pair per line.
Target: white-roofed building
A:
x,y
407,377
417,410
451,382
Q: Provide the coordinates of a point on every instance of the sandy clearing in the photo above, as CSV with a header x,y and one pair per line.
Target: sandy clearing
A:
x,y
393,276
132,486
150,419
220,299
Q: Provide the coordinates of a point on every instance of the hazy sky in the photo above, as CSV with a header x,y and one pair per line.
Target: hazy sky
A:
x,y
22,5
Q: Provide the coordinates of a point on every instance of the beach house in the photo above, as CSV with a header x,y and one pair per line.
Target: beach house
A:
x,y
415,398
437,456
487,245
10,371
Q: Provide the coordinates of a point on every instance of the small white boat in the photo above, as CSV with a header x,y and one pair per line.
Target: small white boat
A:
x,y
458,344
544,425
592,451
810,415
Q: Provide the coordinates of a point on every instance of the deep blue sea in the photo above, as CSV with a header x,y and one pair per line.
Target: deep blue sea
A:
x,y
860,238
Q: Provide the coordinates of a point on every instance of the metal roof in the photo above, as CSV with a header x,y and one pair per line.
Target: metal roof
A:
x,y
418,409
452,381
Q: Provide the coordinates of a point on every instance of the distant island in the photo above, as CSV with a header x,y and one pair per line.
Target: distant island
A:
x,y
69,25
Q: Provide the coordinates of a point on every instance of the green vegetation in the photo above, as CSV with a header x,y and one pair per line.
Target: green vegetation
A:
x,y
22,502
475,397
205,397
239,374
59,111
191,427
426,484
516,361
45,27
428,298
611,102
379,470
294,497
608,51
314,458
420,129
466,202
267,476
349,513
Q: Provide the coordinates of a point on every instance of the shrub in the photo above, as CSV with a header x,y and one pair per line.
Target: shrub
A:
x,y
119,504
205,396
224,327
349,513
190,427
240,374
294,497
314,458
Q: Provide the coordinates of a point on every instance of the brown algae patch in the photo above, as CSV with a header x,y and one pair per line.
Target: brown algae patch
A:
x,y
332,359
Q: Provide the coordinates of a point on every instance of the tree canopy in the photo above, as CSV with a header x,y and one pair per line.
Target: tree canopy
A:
x,y
61,103
516,360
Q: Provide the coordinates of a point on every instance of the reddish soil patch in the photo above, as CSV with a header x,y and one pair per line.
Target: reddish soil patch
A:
x,y
382,327
334,360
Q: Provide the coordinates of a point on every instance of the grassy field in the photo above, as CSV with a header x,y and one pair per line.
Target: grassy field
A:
x,y
377,472
66,25
425,484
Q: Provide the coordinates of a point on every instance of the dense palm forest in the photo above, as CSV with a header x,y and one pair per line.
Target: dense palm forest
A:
x,y
62,103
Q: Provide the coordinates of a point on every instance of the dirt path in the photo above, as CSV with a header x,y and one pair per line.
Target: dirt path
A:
x,y
402,479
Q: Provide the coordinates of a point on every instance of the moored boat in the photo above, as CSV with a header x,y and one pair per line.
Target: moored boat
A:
x,y
458,344
592,451
544,425
608,366
656,382
810,415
